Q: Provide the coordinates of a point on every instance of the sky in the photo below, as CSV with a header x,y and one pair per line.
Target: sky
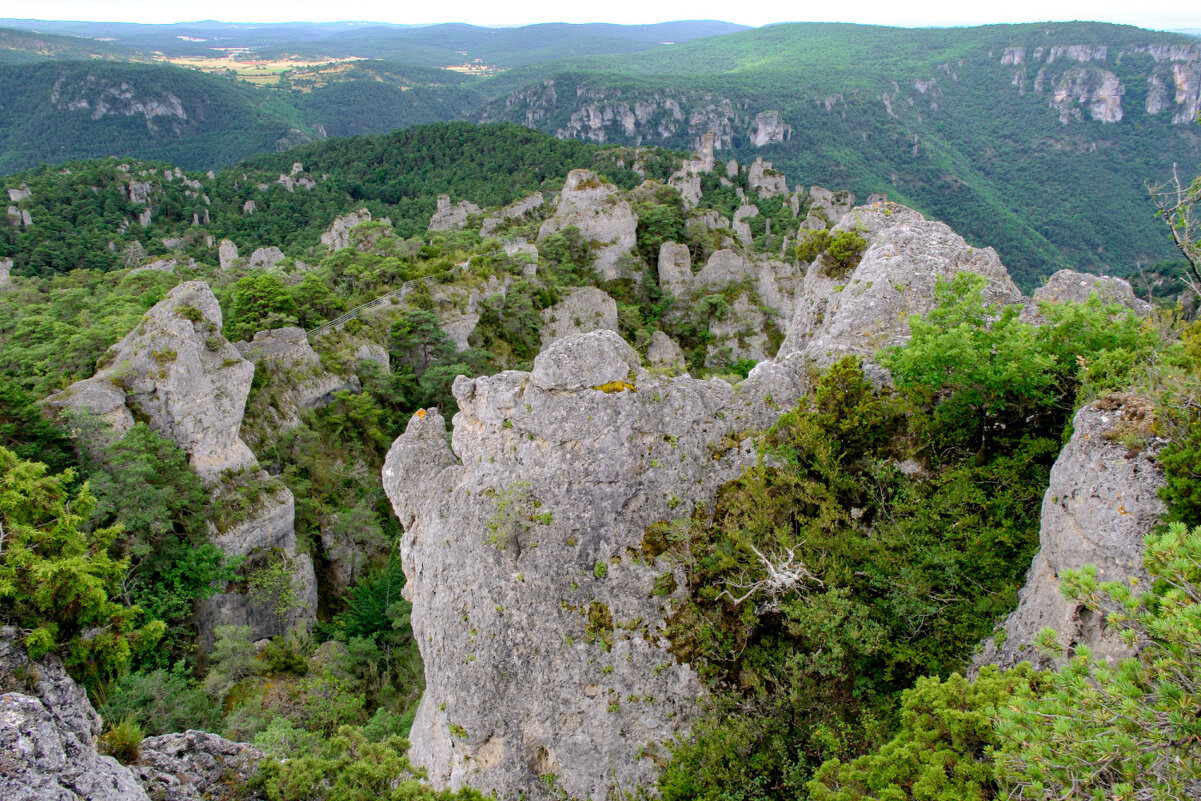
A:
x,y
1161,15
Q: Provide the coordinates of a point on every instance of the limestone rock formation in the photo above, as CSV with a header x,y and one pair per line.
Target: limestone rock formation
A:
x,y
177,372
768,182
513,213
594,207
664,352
826,208
294,381
227,254
1102,500
451,217
585,309
195,766
868,308
675,269
48,732
1071,286
739,335
337,236
534,610
769,128
6,268
266,257
48,735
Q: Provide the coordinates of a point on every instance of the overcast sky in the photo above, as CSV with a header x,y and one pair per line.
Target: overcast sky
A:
x,y
1164,14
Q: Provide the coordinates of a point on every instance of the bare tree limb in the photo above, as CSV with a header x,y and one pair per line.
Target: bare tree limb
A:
x,y
1175,203
785,573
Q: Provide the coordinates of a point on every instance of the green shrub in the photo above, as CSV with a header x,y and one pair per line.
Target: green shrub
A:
x,y
122,741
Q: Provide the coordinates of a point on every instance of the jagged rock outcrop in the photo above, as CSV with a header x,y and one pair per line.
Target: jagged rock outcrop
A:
x,y
675,268
1102,500
1071,286
6,268
227,254
533,605
1084,88
266,257
48,734
826,208
518,212
293,381
196,766
737,335
868,307
458,307
451,217
768,182
583,310
663,351
178,373
593,206
769,129
337,236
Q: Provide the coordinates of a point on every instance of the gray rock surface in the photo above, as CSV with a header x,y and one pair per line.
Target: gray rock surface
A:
x,y
294,381
569,478
266,257
769,129
768,182
869,308
1069,285
178,373
6,268
675,268
227,254
451,217
594,207
196,766
739,335
518,212
826,208
337,236
583,310
664,352
1101,501
48,735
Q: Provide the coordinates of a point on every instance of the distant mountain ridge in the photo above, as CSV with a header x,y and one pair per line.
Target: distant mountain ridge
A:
x,y
1037,139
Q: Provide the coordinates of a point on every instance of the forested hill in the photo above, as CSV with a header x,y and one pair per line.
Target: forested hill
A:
x,y
82,215
1035,139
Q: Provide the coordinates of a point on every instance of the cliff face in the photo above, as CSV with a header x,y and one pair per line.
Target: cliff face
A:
x,y
538,616
179,374
1102,500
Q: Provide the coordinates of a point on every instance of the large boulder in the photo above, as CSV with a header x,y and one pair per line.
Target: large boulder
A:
x,y
1101,502
534,604
583,310
1069,286
868,307
337,236
595,208
292,381
178,373
196,766
451,217
48,734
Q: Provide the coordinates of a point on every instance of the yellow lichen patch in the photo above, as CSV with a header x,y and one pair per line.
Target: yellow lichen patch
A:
x,y
616,386
421,414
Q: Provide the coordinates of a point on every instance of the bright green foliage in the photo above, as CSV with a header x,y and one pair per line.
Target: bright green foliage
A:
x,y
989,381
122,741
349,767
660,219
57,582
258,302
1179,422
899,588
375,608
26,433
942,749
160,701
1126,731
147,487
